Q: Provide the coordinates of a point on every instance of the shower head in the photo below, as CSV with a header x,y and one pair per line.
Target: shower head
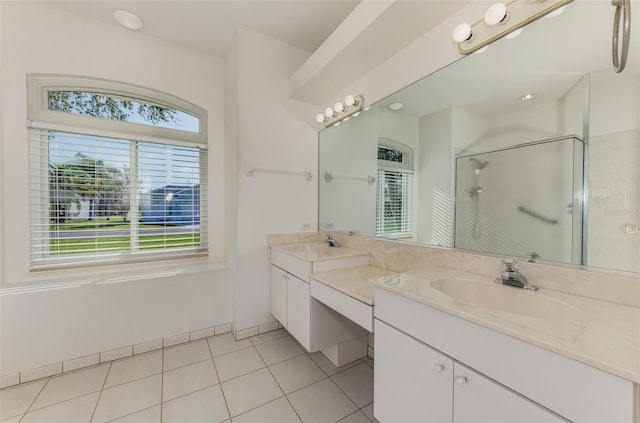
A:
x,y
478,164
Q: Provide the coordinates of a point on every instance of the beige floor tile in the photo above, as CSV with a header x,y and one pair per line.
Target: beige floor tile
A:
x,y
321,402
226,343
202,406
75,410
250,391
269,336
185,354
187,379
128,398
296,373
71,385
327,366
15,401
238,363
150,415
278,411
357,417
368,411
357,383
278,350
137,367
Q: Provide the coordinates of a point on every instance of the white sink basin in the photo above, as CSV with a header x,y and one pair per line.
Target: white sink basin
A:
x,y
497,297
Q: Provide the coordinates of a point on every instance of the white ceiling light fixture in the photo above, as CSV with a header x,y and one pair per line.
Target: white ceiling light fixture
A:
x,y
128,19
395,106
352,105
528,97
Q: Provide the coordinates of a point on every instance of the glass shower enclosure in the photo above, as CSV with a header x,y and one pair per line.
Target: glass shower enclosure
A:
x,y
523,201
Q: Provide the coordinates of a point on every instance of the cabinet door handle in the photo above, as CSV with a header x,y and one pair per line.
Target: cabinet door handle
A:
x,y
438,368
460,380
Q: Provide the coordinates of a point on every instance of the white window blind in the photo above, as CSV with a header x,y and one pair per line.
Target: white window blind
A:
x,y
98,200
393,203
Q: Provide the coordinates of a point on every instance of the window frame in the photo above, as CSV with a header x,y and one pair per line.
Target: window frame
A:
x,y
38,113
405,167
40,118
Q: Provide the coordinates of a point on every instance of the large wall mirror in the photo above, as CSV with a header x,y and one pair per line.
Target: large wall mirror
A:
x,y
530,148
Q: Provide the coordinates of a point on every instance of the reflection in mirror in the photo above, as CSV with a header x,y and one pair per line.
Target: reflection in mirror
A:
x,y
524,201
528,109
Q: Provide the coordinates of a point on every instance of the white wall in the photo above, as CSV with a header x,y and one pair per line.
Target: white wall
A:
x,y
42,326
273,132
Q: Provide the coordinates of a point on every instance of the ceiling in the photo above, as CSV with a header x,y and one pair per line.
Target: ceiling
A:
x,y
209,25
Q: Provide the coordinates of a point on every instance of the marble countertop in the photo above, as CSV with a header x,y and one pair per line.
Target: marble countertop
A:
x,y
603,334
317,251
355,282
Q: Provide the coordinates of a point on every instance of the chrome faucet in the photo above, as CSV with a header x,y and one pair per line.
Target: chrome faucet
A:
x,y
331,241
511,276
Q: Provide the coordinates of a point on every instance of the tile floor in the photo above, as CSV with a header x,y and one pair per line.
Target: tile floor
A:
x,y
266,378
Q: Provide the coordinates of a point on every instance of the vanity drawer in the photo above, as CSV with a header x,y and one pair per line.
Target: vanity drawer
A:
x,y
574,390
353,309
291,264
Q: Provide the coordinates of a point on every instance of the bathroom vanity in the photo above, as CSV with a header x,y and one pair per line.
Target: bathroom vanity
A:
x,y
315,325
450,347
451,344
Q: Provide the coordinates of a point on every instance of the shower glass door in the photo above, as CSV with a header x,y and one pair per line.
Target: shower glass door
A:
x,y
523,201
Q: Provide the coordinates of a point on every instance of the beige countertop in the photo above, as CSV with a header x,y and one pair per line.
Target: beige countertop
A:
x,y
318,251
355,282
603,334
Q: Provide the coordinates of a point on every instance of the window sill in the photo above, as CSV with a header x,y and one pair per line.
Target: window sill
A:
x,y
63,278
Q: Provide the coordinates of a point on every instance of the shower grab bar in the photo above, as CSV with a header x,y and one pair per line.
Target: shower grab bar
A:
x,y
328,177
538,216
623,10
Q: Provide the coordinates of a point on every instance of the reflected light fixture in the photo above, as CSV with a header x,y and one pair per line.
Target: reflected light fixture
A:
x,y
395,106
128,19
341,110
527,97
514,34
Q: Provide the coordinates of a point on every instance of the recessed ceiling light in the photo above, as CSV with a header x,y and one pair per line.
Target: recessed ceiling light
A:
x,y
128,19
395,106
527,97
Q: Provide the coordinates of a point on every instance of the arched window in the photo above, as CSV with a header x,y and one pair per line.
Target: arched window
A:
x,y
394,209
118,173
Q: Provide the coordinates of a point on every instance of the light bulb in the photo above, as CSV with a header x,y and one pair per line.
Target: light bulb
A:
x,y
495,14
514,34
319,118
338,107
328,112
349,100
462,32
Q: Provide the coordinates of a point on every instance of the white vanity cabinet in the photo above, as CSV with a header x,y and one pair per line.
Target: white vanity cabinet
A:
x,y
415,383
309,321
290,304
492,377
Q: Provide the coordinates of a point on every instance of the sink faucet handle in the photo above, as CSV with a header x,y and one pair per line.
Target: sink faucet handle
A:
x,y
509,264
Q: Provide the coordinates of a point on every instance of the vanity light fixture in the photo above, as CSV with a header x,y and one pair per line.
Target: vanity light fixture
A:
x,y
341,110
128,19
496,14
501,19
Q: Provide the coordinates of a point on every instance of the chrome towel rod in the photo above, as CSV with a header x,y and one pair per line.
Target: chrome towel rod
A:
x,y
307,174
623,11
328,177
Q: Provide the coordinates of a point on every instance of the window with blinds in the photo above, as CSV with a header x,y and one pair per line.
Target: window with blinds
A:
x,y
394,209
105,197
